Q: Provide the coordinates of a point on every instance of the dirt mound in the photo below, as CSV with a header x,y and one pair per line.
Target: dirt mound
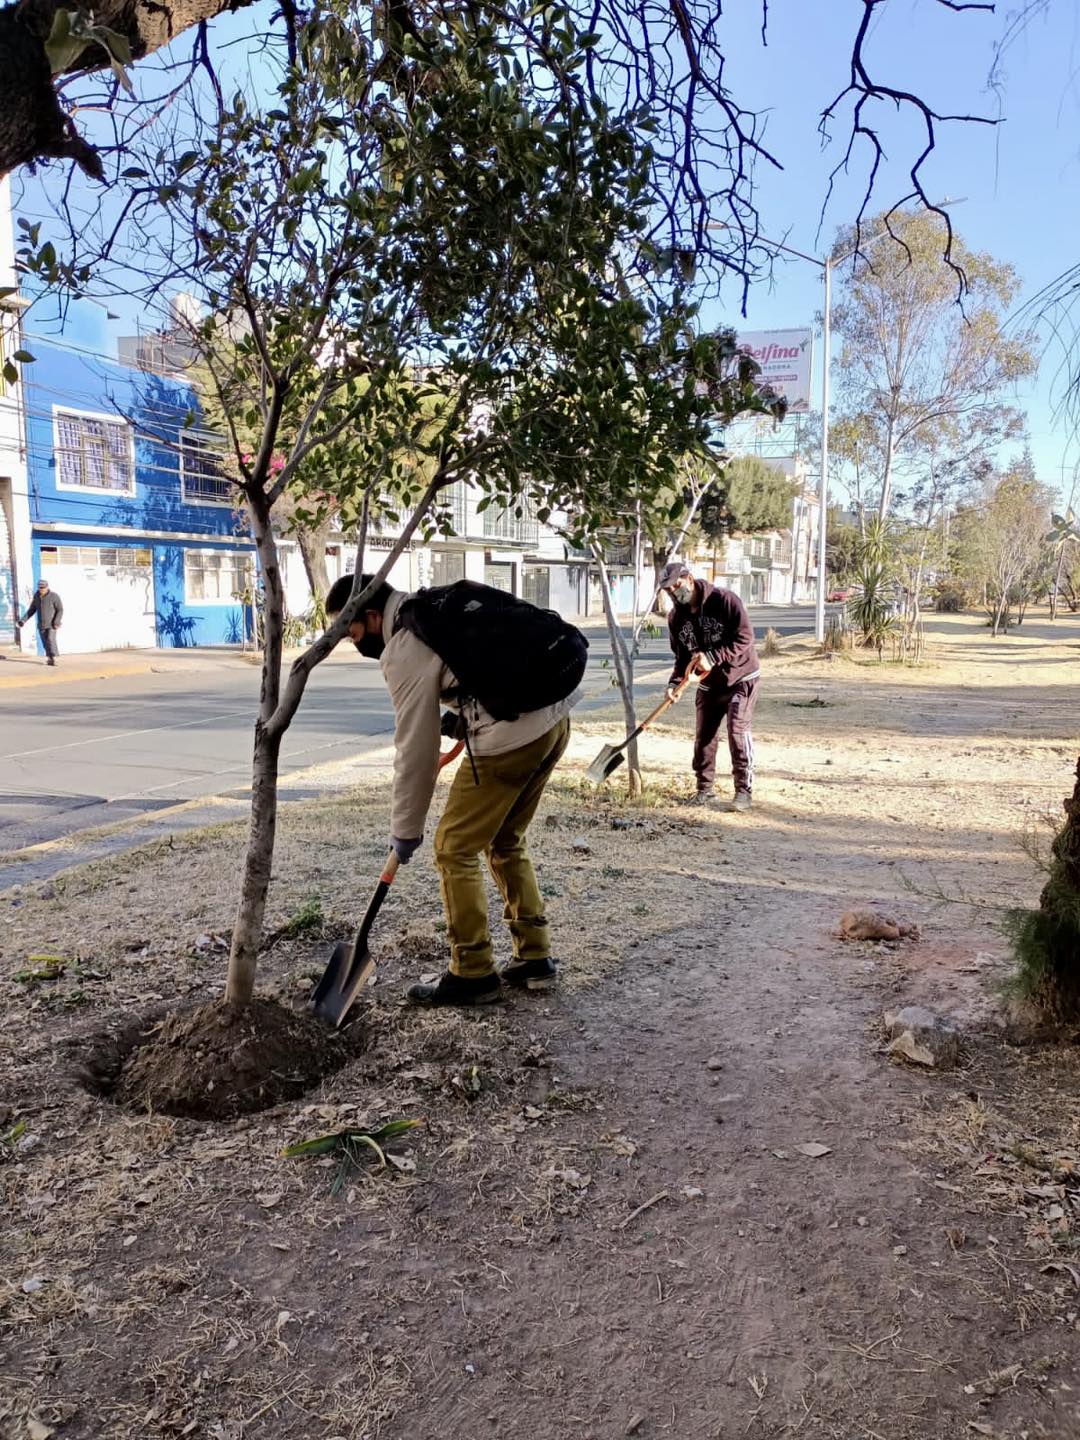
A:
x,y
214,1063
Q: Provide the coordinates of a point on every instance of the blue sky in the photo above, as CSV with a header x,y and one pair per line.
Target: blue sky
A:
x,y
1021,178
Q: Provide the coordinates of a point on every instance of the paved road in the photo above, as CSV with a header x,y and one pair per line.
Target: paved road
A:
x,y
91,753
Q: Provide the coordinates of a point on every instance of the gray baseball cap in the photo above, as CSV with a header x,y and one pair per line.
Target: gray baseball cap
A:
x,y
672,571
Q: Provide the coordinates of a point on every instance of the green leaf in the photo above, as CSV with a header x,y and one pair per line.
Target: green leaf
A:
x,y
63,45
321,1145
24,357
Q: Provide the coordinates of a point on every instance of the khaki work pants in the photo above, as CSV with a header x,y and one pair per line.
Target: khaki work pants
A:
x,y
491,819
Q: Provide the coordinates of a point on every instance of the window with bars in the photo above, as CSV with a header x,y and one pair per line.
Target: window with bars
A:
x,y
94,452
121,557
203,480
447,566
217,576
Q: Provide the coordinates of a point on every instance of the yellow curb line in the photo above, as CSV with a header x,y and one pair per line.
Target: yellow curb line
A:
x,y
49,676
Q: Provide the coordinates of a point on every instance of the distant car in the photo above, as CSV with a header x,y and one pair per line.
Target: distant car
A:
x,y
838,596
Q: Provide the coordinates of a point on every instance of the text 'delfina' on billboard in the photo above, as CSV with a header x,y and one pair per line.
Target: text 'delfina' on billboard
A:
x,y
784,361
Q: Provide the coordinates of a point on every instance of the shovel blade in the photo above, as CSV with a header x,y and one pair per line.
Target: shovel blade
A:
x,y
342,980
605,764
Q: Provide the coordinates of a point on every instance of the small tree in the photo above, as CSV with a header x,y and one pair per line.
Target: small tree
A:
x,y
751,496
1002,541
1064,543
414,263
916,367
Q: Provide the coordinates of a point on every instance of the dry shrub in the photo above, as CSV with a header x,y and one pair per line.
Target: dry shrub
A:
x,y
1046,941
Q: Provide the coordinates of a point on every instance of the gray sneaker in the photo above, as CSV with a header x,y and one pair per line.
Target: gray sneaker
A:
x,y
703,797
742,801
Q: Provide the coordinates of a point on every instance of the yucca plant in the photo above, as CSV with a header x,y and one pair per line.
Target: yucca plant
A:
x,y
353,1146
869,609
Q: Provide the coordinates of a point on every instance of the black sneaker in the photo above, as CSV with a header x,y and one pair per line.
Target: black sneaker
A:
x,y
535,975
456,990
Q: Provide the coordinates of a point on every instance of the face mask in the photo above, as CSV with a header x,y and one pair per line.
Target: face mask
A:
x,y
371,646
683,592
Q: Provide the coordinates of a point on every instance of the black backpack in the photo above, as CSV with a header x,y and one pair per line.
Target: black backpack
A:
x,y
509,656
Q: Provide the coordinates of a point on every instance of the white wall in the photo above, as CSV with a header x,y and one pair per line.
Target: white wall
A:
x,y
567,590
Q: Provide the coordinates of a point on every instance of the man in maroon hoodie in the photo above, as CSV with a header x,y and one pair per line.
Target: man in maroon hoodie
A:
x,y
711,634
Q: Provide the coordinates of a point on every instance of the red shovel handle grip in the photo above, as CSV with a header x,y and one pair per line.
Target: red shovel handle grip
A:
x,y
445,760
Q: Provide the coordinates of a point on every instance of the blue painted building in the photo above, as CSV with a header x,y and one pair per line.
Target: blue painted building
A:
x,y
131,517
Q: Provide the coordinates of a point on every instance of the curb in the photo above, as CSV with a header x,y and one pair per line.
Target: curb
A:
x,y
57,676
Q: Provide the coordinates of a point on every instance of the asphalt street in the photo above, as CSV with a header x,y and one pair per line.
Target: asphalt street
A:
x,y
79,756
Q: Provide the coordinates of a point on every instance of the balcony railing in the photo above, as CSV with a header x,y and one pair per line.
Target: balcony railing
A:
x,y
505,525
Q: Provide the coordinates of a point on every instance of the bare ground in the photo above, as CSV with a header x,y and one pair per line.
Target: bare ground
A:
x,y
604,1225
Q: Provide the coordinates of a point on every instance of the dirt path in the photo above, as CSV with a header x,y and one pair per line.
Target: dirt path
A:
x,y
920,1281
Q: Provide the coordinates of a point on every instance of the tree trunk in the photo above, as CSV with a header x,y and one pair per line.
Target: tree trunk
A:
x,y
247,928
624,673
276,711
258,864
312,546
1057,582
886,479
33,123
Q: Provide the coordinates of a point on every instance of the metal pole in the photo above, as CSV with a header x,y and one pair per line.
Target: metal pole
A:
x,y
826,340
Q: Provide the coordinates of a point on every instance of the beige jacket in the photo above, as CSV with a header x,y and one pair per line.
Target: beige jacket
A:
x,y
418,681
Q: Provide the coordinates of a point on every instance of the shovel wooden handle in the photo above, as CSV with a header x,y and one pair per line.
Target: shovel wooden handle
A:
x,y
389,870
665,704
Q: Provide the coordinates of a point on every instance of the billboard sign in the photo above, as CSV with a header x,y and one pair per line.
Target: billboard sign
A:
x,y
784,360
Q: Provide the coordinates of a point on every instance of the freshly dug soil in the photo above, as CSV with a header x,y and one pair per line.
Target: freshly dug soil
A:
x,y
214,1063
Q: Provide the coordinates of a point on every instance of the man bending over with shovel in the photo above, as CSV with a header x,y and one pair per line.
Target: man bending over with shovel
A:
x,y
711,634
508,659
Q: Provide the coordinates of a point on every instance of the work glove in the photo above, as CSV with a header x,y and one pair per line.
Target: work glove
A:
x,y
452,725
405,849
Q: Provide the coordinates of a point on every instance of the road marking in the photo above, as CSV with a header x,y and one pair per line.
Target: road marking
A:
x,y
119,735
242,769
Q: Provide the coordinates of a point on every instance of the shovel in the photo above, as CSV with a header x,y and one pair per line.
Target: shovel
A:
x,y
351,964
611,756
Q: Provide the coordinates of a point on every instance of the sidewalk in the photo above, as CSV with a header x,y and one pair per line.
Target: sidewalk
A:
x,y
19,668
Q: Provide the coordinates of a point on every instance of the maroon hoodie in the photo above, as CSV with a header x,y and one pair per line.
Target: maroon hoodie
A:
x,y
719,628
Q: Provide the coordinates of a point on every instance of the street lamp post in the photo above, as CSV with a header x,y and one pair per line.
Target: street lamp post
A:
x,y
823,487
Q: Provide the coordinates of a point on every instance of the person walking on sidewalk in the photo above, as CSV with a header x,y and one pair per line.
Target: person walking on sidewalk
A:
x,y
495,793
711,635
49,609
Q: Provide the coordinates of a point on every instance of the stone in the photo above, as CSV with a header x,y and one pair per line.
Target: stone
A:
x,y
869,925
581,846
922,1038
